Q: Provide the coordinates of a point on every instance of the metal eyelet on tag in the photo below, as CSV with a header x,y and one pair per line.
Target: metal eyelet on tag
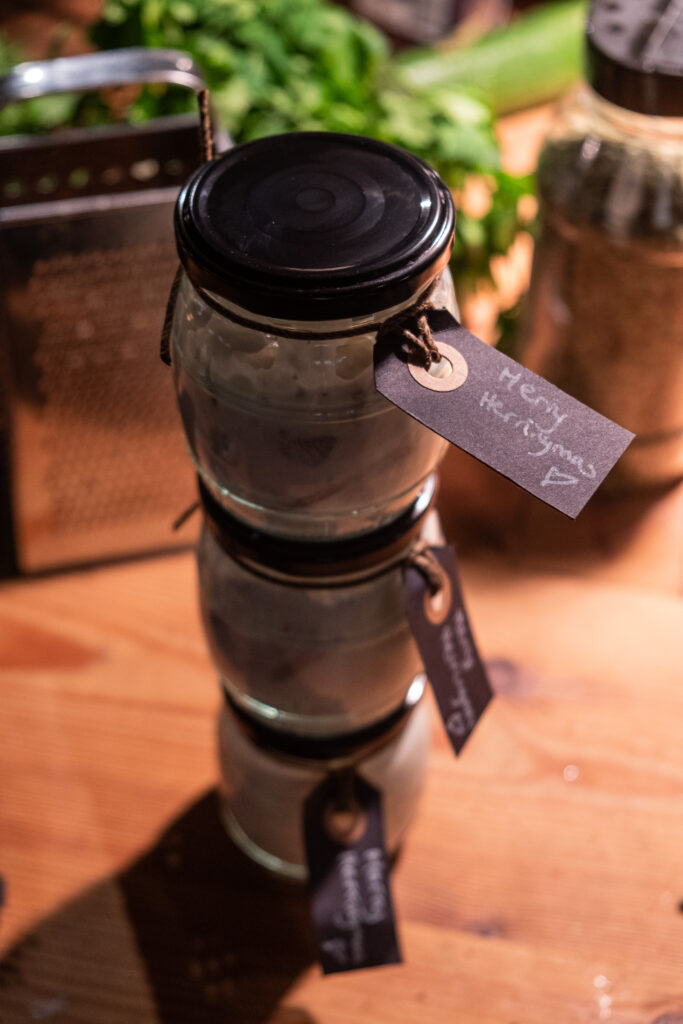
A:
x,y
345,825
437,606
447,382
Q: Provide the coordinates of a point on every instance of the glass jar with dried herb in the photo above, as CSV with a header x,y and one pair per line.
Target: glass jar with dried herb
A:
x,y
296,249
605,316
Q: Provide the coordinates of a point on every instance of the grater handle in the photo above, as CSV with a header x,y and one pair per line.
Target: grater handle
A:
x,y
92,71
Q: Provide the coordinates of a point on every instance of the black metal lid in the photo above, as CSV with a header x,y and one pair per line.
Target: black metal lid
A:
x,y
325,561
358,744
635,54
314,226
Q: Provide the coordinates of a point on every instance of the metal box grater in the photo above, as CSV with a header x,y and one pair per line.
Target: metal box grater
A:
x,y
92,460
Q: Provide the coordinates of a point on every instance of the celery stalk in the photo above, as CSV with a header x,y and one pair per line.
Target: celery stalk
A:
x,y
530,61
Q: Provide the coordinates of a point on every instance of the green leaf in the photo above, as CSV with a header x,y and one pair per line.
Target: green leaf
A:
x,y
115,13
469,146
462,107
232,100
280,65
183,12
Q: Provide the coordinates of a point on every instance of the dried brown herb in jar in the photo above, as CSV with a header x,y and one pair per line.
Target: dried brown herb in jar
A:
x,y
605,316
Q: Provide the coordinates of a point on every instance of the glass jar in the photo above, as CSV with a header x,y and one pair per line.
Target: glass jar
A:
x,y
264,785
605,315
313,639
296,249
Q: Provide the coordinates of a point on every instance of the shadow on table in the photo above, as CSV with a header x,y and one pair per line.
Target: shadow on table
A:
x,y
190,933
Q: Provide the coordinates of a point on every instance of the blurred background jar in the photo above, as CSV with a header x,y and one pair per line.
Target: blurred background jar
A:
x,y
605,315
296,249
428,21
265,780
311,638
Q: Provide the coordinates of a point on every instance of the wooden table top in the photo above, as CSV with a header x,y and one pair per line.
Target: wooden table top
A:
x,y
542,880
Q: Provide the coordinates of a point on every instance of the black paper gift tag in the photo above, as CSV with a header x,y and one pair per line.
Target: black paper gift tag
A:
x,y
444,638
353,912
504,415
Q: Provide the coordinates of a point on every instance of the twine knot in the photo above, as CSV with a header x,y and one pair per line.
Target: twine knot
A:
x,y
425,561
420,344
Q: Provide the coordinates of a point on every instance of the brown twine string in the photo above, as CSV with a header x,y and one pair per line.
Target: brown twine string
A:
x,y
184,516
424,560
207,145
165,347
344,820
344,797
421,342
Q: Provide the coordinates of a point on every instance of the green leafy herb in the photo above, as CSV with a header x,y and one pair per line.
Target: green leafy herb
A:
x,y
283,65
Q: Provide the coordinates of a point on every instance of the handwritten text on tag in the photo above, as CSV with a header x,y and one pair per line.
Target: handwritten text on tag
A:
x,y
444,638
352,907
504,415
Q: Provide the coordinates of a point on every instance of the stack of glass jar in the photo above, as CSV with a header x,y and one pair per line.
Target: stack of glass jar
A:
x,y
296,249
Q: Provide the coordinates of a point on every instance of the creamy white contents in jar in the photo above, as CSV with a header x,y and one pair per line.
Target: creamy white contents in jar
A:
x,y
263,793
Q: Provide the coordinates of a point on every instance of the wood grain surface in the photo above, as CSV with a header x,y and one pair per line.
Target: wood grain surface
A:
x,y
542,880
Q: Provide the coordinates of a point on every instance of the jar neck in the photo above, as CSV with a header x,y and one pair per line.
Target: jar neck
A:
x,y
332,753
629,123
324,329
315,564
332,582
337,579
